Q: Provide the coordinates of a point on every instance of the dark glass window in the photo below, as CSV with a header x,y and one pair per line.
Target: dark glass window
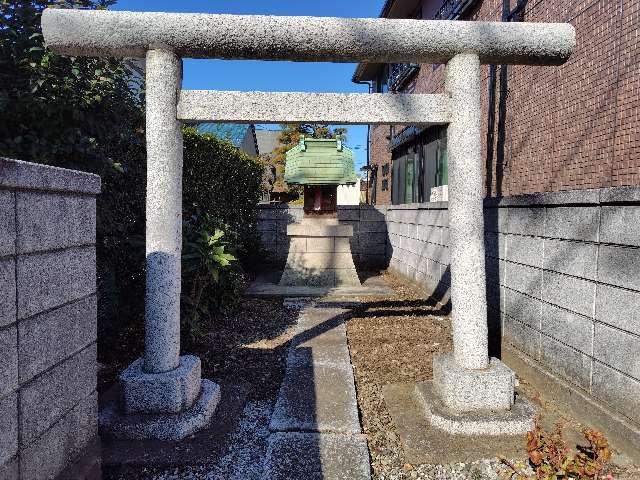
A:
x,y
382,82
385,170
385,184
418,165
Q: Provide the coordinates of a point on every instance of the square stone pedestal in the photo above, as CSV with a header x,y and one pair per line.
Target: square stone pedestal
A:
x,y
461,390
514,422
320,254
163,406
167,392
474,402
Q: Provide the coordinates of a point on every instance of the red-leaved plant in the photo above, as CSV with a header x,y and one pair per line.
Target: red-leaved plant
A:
x,y
552,459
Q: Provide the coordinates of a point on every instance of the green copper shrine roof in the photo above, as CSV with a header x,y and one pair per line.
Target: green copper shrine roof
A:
x,y
316,161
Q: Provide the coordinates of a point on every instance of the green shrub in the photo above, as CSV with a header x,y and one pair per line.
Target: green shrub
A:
x,y
88,114
226,184
212,279
221,188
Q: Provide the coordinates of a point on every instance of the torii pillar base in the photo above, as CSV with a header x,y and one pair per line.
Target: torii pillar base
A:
x,y
474,402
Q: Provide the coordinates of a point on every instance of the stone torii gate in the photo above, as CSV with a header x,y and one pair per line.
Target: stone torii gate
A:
x,y
164,396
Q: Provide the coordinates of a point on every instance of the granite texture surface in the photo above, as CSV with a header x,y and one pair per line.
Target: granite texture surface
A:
x,y
166,392
164,212
462,390
514,422
299,107
466,221
166,426
130,34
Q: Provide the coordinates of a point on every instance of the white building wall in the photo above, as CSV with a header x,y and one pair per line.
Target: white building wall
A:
x,y
349,194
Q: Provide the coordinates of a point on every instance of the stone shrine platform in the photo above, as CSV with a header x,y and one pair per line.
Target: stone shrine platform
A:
x,y
267,285
320,254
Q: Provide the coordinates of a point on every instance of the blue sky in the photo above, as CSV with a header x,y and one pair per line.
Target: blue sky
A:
x,y
271,76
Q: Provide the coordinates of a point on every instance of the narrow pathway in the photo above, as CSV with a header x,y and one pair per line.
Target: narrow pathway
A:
x,y
315,429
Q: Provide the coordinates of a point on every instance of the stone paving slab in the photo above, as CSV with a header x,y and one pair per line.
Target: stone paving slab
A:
x,y
336,356
422,443
318,392
316,456
321,339
321,335
318,327
315,422
316,398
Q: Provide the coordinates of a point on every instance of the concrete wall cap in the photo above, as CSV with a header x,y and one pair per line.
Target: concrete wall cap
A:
x,y
419,206
620,194
16,174
590,196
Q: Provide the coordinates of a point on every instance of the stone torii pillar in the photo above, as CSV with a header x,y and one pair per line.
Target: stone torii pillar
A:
x,y
470,394
466,220
163,394
164,212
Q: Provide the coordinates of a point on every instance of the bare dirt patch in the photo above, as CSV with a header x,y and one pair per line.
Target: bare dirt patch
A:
x,y
247,345
392,340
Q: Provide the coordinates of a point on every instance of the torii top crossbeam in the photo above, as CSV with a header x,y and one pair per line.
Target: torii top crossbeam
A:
x,y
318,39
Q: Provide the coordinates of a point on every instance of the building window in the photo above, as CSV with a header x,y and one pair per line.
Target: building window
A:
x,y
373,184
385,184
442,165
418,165
382,82
385,170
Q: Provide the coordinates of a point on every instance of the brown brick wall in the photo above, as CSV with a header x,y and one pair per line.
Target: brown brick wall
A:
x,y
561,128
380,155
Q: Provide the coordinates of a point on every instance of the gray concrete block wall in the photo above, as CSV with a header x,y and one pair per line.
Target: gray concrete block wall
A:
x,y
48,400
563,274
570,292
419,244
563,277
368,244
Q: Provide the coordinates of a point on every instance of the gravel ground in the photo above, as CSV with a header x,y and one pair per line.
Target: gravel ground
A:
x,y
245,455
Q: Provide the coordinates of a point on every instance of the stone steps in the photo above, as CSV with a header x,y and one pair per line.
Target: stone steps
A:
x,y
315,425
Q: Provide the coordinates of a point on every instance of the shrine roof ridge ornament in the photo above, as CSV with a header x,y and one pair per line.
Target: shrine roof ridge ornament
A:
x,y
379,40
